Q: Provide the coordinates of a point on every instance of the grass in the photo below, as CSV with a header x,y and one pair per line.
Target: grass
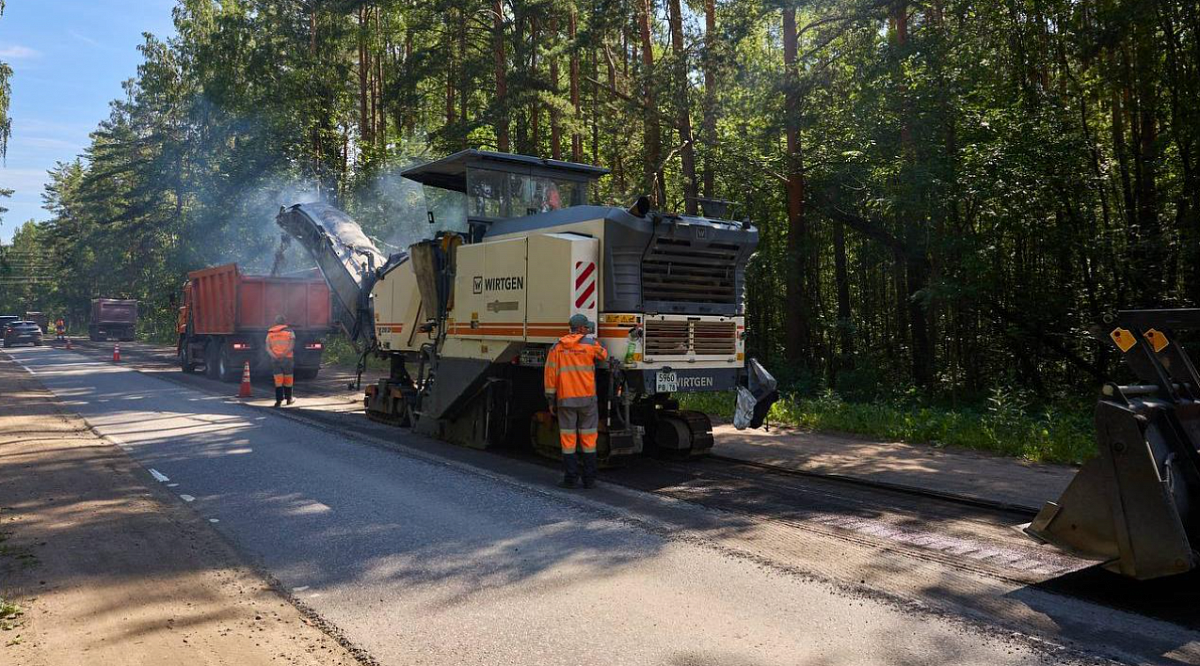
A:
x,y
339,352
10,615
1002,426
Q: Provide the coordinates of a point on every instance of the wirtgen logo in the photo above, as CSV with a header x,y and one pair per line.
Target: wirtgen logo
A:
x,y
480,284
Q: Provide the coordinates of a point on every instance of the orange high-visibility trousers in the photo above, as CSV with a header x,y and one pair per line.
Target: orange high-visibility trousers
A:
x,y
282,368
578,426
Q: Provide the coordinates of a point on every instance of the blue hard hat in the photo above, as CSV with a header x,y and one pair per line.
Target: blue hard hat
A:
x,y
580,321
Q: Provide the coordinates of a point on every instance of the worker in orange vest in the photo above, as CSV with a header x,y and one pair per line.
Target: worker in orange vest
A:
x,y
281,346
570,383
60,329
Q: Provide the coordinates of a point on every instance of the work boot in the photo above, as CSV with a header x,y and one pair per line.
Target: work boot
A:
x,y
571,471
589,469
287,392
278,395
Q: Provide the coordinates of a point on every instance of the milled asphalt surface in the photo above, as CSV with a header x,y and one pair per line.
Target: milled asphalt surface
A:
x,y
419,561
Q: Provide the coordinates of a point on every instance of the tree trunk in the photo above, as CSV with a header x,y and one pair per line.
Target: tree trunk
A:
x,y
615,127
576,137
380,130
652,176
799,340
708,128
918,268
555,124
451,74
501,76
408,116
687,152
535,111
464,79
364,125
841,276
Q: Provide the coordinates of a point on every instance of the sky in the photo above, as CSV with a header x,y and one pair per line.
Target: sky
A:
x,y
69,58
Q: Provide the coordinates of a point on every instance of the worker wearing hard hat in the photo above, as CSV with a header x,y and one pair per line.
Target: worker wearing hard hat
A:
x,y
570,381
281,345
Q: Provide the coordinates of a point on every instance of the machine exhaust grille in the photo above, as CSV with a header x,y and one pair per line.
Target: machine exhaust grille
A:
x,y
677,337
676,269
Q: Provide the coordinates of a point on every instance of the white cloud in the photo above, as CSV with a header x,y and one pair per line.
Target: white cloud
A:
x,y
85,39
17,52
23,179
46,142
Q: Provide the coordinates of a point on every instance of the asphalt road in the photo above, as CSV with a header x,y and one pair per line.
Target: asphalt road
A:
x,y
420,560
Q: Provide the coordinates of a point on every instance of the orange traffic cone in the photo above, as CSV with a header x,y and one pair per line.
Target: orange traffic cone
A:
x,y
244,389
68,343
117,353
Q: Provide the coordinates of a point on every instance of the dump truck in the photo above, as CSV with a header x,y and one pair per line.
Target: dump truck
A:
x,y
1135,507
466,318
40,318
225,316
113,318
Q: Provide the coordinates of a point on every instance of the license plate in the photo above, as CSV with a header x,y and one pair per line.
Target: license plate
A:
x,y
666,382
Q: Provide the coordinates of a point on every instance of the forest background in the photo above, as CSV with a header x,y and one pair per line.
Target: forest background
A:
x,y
952,194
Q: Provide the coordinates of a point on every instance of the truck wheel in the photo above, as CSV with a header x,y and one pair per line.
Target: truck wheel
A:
x,y
225,370
211,354
183,361
307,374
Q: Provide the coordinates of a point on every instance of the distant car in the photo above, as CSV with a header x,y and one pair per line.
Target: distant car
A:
x,y
22,333
5,320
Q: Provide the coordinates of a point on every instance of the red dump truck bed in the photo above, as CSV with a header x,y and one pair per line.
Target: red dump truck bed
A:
x,y
223,324
224,301
114,311
113,318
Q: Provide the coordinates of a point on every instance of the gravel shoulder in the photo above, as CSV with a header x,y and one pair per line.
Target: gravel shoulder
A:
x,y
107,569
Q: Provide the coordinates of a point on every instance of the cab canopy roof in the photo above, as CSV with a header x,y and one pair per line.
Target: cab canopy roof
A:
x,y
450,173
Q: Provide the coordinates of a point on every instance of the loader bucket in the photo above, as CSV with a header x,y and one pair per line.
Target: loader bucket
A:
x,y
1136,505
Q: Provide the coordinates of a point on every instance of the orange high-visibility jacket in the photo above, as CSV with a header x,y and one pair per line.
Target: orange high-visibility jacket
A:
x,y
281,341
570,375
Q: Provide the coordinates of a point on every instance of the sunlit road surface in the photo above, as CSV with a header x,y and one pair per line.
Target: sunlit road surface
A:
x,y
420,561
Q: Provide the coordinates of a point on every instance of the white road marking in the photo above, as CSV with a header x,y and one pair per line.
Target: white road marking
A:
x,y
187,498
158,476
172,485
300,589
214,520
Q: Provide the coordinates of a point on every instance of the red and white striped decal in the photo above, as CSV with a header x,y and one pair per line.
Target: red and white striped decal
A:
x,y
585,285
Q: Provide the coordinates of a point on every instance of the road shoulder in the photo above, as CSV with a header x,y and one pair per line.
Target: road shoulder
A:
x,y
108,568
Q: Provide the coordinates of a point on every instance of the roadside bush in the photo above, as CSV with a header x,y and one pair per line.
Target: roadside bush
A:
x,y
339,351
1006,425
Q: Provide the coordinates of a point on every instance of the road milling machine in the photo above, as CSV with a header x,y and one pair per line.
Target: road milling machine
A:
x,y
466,318
1135,507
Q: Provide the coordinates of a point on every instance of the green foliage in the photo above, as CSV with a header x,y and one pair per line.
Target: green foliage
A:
x,y
1007,426
339,351
10,615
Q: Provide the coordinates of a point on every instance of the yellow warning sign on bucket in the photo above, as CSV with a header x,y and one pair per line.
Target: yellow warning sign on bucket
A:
x,y
1156,339
1123,338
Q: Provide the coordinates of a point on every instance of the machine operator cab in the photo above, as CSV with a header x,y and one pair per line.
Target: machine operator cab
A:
x,y
498,186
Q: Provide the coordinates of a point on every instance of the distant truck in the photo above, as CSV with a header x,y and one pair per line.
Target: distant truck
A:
x,y
113,318
40,318
225,316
